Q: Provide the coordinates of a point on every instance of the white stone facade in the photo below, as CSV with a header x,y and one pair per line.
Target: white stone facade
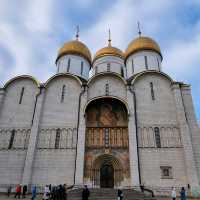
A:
x,y
30,119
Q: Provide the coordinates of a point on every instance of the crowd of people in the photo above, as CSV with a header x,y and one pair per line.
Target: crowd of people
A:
x,y
59,192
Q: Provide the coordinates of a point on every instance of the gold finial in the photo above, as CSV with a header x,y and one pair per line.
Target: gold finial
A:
x,y
139,30
109,38
77,32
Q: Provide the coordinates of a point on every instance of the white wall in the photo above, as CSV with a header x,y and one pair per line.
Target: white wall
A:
x,y
14,114
98,84
75,65
100,65
138,60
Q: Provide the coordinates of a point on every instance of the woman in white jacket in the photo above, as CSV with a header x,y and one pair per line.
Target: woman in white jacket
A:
x,y
173,193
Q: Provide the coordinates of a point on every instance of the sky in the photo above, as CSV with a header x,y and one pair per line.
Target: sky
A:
x,y
31,33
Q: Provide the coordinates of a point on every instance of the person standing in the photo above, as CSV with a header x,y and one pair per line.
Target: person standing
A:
x,y
173,193
34,192
183,193
119,194
85,193
46,192
24,191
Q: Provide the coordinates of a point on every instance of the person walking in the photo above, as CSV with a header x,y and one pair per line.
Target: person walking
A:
x,y
85,193
34,192
119,194
9,190
183,194
24,191
18,191
173,193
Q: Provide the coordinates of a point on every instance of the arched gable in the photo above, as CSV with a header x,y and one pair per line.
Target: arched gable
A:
x,y
93,78
62,75
139,75
35,81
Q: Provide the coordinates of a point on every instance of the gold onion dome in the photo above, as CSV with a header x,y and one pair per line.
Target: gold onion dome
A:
x,y
142,43
109,51
75,47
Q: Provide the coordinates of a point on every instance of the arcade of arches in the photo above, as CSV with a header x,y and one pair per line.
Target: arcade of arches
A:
x,y
106,145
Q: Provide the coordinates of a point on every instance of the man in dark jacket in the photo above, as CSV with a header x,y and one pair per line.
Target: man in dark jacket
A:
x,y
85,193
24,191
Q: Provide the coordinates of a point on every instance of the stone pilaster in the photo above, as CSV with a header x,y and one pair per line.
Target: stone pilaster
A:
x,y
192,123
27,174
133,155
185,136
81,143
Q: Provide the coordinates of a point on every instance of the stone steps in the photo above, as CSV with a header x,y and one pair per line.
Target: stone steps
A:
x,y
109,194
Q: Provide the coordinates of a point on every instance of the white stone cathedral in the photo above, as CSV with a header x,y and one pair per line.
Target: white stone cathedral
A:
x,y
127,124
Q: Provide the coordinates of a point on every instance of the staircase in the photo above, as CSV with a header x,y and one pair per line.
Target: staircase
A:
x,y
109,194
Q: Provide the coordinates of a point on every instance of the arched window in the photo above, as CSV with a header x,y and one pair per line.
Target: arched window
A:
x,y
96,69
107,89
108,67
152,91
63,93
12,136
133,66
21,95
82,67
157,137
57,140
68,64
146,62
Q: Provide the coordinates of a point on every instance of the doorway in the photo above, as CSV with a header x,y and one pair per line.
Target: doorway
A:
x,y
107,176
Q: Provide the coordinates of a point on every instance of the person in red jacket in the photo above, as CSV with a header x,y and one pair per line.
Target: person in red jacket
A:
x,y
18,191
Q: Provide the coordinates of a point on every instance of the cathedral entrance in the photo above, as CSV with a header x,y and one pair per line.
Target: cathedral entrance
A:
x,y
106,143
106,176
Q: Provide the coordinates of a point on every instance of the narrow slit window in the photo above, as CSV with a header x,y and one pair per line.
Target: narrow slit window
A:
x,y
152,91
96,69
10,146
107,89
21,95
81,67
157,137
108,67
57,140
132,66
68,64
63,93
122,71
146,62
158,64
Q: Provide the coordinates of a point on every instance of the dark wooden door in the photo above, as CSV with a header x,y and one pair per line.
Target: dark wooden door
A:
x,y
107,176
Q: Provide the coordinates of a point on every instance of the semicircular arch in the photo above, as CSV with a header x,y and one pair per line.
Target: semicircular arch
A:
x,y
62,75
22,77
108,97
139,75
92,79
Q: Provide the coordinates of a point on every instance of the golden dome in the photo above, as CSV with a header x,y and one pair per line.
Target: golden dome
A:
x,y
109,51
75,47
142,43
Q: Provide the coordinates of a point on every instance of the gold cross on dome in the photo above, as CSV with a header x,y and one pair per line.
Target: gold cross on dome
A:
x,y
77,32
109,38
139,30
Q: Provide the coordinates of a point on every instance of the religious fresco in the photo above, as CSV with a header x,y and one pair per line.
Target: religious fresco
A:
x,y
106,113
106,136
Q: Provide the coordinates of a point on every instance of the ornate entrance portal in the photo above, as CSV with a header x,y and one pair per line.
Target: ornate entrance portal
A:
x,y
106,153
107,176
